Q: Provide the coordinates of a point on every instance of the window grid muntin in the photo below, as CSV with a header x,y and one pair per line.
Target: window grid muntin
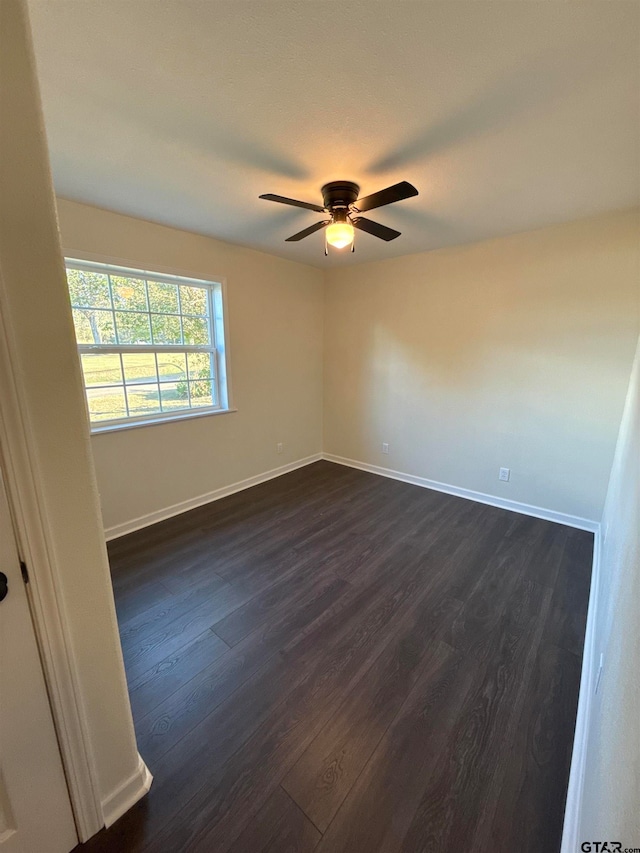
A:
x,y
114,310
80,307
213,305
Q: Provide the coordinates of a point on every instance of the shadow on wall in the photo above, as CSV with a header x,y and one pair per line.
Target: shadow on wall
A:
x,y
448,316
509,349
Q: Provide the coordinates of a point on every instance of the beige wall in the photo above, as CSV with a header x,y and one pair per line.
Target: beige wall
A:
x,y
274,310
48,458
611,805
514,352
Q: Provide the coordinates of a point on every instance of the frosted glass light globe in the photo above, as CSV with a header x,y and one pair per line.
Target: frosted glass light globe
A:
x,y
340,234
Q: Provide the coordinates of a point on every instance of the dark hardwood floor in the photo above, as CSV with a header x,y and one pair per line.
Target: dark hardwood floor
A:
x,y
334,661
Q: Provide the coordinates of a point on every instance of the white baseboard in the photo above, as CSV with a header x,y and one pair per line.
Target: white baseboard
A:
x,y
573,808
479,497
200,500
127,794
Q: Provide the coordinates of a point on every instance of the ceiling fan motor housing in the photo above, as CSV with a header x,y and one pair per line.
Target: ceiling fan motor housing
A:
x,y
338,196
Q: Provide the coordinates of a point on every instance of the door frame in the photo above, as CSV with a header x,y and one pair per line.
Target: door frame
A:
x,y
22,475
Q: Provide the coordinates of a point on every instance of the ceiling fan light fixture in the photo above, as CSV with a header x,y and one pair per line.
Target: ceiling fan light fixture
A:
x,y
340,234
340,201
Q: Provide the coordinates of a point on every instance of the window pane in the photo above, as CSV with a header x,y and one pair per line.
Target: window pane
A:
x,y
166,330
196,330
163,298
106,404
193,300
83,328
101,370
174,395
94,326
172,366
199,365
129,294
89,289
143,399
133,328
201,393
139,367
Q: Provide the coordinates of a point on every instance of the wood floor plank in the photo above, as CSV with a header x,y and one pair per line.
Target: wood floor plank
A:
x,y
170,607
400,671
549,553
153,687
265,606
532,765
500,567
180,543
134,602
173,718
455,794
143,654
267,558
316,672
325,773
379,809
570,599
537,774
279,827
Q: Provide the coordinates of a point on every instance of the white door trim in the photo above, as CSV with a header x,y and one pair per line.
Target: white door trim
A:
x,y
34,541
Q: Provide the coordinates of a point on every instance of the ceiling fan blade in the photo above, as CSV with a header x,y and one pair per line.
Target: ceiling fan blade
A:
x,y
375,228
397,192
293,202
310,230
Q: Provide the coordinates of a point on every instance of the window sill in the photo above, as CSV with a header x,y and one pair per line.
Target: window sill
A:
x,y
98,430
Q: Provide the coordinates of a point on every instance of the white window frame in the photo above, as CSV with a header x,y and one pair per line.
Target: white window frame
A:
x,y
217,324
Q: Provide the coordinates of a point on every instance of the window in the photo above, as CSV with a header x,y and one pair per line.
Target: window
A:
x,y
151,346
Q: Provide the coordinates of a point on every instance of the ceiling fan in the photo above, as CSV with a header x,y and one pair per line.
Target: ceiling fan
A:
x,y
344,207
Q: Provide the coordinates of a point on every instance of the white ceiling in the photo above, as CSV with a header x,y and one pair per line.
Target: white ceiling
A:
x,y
506,116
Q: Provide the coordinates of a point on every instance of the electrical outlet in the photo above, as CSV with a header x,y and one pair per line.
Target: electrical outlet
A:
x,y
385,447
504,474
279,447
